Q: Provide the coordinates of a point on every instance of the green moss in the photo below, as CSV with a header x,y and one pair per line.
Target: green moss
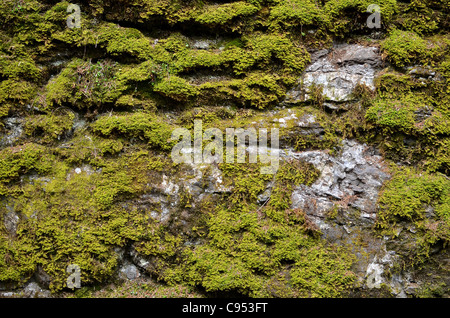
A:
x,y
175,88
14,67
247,245
346,16
13,93
323,272
257,90
51,126
221,14
403,47
394,114
141,125
419,17
22,159
293,13
393,84
136,102
71,219
84,84
407,196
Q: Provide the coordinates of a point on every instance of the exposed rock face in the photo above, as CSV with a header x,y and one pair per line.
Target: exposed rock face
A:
x,y
13,131
85,170
337,71
350,183
11,222
129,272
354,177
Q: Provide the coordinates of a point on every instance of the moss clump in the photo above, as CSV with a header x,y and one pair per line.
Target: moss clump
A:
x,y
49,127
407,196
346,16
394,114
258,90
418,16
293,13
138,125
84,84
403,47
175,88
15,92
68,217
221,14
19,67
18,160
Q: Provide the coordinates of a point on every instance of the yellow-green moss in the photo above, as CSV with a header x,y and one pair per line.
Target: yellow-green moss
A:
x,y
15,161
404,47
175,88
221,14
407,196
85,84
139,125
247,244
50,127
69,218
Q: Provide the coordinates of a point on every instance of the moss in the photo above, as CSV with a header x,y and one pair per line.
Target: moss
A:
x,y
221,14
141,125
394,114
294,13
136,102
261,242
257,90
407,196
84,84
175,88
146,71
15,92
70,218
403,47
16,67
393,84
346,16
419,17
21,159
323,272
229,242
51,126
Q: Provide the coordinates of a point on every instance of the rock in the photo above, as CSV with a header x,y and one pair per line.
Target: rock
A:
x,y
349,181
338,72
11,222
421,71
32,290
13,129
423,113
354,176
42,278
201,44
374,275
129,272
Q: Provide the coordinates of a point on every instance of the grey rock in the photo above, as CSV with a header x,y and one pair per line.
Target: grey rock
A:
x,y
11,222
129,272
350,175
201,44
13,127
421,71
33,290
42,278
338,72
